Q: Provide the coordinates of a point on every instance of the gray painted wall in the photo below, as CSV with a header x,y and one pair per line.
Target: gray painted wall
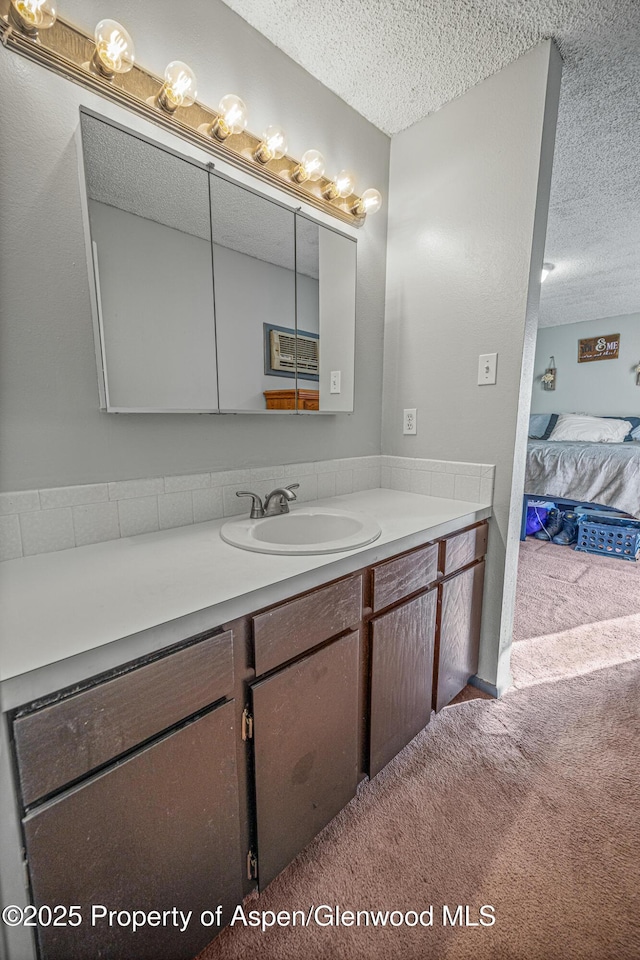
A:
x,y
603,387
51,431
468,201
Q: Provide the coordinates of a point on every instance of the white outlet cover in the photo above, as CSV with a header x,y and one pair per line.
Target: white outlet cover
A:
x,y
335,381
410,422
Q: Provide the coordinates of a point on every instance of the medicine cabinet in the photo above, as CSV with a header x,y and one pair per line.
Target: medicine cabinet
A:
x,y
209,296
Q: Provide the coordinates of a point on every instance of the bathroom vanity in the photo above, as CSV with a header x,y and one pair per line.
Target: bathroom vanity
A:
x,y
185,764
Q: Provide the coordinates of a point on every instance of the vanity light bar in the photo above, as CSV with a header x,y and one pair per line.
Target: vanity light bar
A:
x,y
105,64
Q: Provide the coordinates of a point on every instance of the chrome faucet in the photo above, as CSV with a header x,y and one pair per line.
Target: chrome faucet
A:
x,y
275,503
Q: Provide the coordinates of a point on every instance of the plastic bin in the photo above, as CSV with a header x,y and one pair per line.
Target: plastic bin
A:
x,y
611,536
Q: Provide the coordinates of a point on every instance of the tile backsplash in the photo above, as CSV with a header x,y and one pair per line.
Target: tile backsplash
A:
x,y
41,521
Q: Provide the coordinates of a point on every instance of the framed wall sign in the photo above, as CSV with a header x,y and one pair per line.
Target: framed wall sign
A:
x,y
599,348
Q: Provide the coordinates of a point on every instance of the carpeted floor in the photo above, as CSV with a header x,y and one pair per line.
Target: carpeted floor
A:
x,y
528,804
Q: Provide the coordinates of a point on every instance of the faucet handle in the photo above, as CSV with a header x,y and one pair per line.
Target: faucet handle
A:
x,y
257,510
292,487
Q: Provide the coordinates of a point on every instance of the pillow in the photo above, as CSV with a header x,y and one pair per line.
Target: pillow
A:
x,y
635,434
575,427
541,425
635,423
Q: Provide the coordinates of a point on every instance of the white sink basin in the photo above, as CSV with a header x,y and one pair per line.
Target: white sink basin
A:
x,y
305,530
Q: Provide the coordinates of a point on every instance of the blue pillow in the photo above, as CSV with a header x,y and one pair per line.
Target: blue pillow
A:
x,y
634,432
541,425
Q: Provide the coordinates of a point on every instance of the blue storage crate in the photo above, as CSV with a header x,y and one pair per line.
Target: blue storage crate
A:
x,y
612,536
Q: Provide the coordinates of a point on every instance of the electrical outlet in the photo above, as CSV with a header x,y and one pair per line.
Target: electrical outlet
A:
x,y
409,422
334,386
487,368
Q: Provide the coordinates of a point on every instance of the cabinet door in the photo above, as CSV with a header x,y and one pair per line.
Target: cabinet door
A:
x,y
160,830
306,750
401,677
457,656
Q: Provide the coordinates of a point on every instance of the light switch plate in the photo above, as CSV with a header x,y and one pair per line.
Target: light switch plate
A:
x,y
487,368
409,422
335,381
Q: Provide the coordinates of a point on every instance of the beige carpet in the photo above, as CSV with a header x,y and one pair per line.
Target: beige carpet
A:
x,y
528,804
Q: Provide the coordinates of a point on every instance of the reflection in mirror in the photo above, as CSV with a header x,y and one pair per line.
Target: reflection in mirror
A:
x,y
149,222
326,284
255,300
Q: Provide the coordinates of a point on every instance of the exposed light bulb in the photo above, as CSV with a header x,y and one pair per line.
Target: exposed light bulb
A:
x,y
115,52
231,119
179,87
369,203
546,270
341,186
273,145
311,167
30,16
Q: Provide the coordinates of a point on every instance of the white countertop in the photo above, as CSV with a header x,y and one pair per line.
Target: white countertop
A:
x,y
58,605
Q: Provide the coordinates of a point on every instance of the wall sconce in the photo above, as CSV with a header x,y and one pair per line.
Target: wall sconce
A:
x,y
179,87
273,145
94,61
311,167
232,118
548,378
30,16
115,52
341,186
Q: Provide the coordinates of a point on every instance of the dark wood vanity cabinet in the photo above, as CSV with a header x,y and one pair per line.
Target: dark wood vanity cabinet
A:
x,y
180,780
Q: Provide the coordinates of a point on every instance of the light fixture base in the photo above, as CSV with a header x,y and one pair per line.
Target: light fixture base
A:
x,y
18,22
99,68
263,154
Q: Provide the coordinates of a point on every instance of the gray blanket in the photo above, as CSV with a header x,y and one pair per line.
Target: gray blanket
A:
x,y
606,473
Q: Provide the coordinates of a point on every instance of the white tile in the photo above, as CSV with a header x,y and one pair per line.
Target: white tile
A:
x,y
326,485
46,530
207,504
70,496
127,489
191,481
308,489
267,473
466,488
299,469
400,479
438,466
22,501
421,482
463,469
139,515
10,539
175,509
222,478
326,466
442,485
385,477
95,522
344,482
486,489
366,478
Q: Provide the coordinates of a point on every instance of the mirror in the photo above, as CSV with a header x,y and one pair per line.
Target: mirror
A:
x,y
210,297
255,294
151,249
326,308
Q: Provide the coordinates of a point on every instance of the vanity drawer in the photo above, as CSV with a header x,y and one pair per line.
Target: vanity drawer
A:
x,y
64,741
465,548
402,576
286,631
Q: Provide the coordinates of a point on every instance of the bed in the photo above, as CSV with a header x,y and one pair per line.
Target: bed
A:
x,y
603,473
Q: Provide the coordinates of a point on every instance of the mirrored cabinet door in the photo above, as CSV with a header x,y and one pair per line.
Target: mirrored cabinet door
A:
x,y
326,308
255,299
151,248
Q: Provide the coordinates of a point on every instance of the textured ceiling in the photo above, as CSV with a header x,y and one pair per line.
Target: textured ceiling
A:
x,y
398,60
